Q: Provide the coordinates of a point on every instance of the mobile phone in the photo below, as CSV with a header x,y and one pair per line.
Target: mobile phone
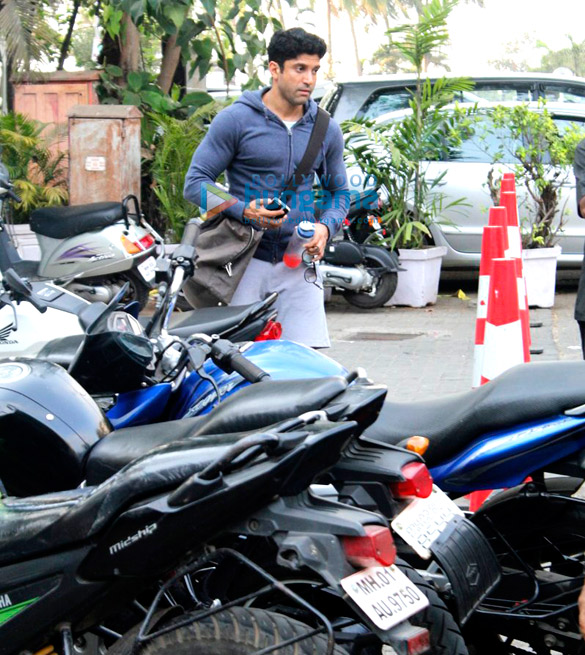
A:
x,y
276,203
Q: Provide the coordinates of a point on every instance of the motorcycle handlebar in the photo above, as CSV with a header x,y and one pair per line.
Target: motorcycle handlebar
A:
x,y
227,356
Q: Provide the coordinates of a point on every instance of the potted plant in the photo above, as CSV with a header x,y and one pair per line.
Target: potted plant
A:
x,y
531,144
396,153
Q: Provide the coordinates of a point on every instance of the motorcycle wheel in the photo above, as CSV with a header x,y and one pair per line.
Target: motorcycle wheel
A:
x,y
138,290
543,540
384,289
446,638
235,631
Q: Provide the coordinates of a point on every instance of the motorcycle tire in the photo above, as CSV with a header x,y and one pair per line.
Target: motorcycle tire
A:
x,y
384,290
446,637
235,631
139,289
548,535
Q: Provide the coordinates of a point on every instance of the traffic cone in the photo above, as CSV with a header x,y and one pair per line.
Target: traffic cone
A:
x,y
499,216
492,247
508,200
508,182
503,343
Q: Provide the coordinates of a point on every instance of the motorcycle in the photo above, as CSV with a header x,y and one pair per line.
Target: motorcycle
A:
x,y
523,432
179,522
367,274
27,306
90,249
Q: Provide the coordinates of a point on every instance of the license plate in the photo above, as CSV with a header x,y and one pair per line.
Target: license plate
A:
x,y
424,520
385,595
147,268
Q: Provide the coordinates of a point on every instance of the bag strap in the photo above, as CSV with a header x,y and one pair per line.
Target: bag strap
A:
x,y
315,142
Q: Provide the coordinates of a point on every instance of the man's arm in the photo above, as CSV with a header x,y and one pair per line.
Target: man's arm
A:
x,y
214,154
334,180
211,158
579,169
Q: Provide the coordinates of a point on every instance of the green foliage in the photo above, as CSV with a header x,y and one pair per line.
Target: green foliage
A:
x,y
398,153
233,37
174,144
572,57
36,172
541,156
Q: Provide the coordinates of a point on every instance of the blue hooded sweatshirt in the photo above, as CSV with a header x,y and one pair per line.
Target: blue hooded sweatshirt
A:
x,y
259,155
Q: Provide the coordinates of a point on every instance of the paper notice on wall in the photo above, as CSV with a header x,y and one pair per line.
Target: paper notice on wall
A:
x,y
95,163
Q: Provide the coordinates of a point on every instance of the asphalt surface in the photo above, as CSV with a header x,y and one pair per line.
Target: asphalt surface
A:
x,y
427,352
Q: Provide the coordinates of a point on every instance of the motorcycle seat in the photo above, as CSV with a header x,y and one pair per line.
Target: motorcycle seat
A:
x,y
63,222
524,393
213,320
33,525
252,408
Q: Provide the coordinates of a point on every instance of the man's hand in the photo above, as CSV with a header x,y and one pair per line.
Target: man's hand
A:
x,y
582,611
256,213
316,246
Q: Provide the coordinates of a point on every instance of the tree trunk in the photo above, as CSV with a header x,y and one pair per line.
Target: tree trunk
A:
x,y
358,63
329,74
170,60
67,40
129,46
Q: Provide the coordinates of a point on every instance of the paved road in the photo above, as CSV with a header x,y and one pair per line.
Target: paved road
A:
x,y
421,353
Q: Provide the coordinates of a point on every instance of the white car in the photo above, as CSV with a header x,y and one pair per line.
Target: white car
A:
x,y
466,170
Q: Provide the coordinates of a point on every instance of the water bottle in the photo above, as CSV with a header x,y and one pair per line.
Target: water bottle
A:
x,y
303,233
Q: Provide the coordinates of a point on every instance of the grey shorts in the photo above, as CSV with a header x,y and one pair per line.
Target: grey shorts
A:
x,y
300,304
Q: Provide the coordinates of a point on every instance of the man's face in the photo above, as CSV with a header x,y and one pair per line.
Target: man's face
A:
x,y
296,81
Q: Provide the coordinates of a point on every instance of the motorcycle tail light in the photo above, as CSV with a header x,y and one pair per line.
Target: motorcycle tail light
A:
x,y
376,548
147,241
417,482
418,445
272,331
131,247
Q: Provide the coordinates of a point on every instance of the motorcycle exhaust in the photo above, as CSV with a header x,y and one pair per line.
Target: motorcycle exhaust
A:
x,y
93,293
354,279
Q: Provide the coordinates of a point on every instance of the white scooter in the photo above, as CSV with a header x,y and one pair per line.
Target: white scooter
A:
x,y
90,249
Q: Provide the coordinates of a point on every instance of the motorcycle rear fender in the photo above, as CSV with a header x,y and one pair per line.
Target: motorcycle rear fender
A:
x,y
383,257
307,529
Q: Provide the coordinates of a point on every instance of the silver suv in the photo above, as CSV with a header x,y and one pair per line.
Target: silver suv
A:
x,y
372,96
465,175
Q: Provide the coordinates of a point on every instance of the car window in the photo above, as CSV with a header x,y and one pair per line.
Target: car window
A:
x,y
384,101
503,91
564,92
481,144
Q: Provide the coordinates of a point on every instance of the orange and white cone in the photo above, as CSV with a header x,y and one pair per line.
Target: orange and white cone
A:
x,y
492,247
499,216
503,343
508,200
508,182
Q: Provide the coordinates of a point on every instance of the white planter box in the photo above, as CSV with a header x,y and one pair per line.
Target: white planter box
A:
x,y
25,241
540,271
418,284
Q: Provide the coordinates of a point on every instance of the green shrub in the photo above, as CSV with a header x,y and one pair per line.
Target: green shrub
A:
x,y
35,170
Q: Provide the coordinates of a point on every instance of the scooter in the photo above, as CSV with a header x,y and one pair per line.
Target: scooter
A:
x,y
90,249
367,274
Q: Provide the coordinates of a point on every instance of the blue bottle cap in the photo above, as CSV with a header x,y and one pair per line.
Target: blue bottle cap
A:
x,y
306,229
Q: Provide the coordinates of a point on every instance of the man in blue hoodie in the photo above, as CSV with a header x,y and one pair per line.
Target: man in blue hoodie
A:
x,y
259,141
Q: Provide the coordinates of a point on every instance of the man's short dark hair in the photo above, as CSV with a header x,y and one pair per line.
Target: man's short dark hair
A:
x,y
289,44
